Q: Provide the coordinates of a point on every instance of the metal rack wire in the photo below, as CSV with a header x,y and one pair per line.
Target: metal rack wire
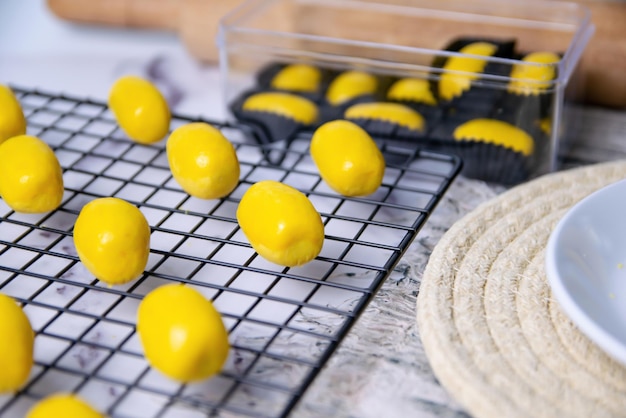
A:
x,y
284,323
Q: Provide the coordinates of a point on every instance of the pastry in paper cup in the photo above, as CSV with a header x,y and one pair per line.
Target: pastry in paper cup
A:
x,y
280,115
387,119
497,132
534,74
349,85
529,95
417,94
300,78
457,74
412,90
494,150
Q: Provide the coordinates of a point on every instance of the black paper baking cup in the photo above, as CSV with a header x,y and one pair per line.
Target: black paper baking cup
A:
x,y
276,127
477,102
488,162
273,132
494,163
523,111
388,130
482,160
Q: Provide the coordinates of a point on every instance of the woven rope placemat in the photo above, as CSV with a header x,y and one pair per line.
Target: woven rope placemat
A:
x,y
495,336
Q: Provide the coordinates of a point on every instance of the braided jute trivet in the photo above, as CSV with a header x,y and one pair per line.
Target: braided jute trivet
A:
x,y
495,336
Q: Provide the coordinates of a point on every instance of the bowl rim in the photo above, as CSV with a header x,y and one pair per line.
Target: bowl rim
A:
x,y
600,336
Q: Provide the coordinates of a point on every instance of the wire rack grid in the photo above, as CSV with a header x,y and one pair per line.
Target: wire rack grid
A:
x,y
283,323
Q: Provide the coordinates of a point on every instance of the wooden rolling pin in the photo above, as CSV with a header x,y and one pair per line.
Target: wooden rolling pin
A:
x,y
602,68
195,21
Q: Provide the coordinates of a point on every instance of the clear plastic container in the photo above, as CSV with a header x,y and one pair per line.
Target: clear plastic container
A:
x,y
415,39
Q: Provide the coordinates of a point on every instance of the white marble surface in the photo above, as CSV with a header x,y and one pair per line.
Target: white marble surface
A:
x,y
380,369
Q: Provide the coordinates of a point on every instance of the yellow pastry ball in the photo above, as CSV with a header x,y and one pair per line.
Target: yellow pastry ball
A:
x,y
203,161
347,158
396,113
286,105
453,84
412,89
302,78
16,354
31,179
182,333
112,239
140,109
349,85
281,223
529,79
12,121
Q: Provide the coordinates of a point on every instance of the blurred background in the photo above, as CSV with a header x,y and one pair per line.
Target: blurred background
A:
x,y
40,50
58,51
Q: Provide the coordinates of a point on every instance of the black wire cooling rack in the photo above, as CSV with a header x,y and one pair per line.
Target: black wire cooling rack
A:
x,y
284,323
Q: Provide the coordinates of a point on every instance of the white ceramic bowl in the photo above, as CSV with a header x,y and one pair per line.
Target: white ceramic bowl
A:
x,y
586,267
